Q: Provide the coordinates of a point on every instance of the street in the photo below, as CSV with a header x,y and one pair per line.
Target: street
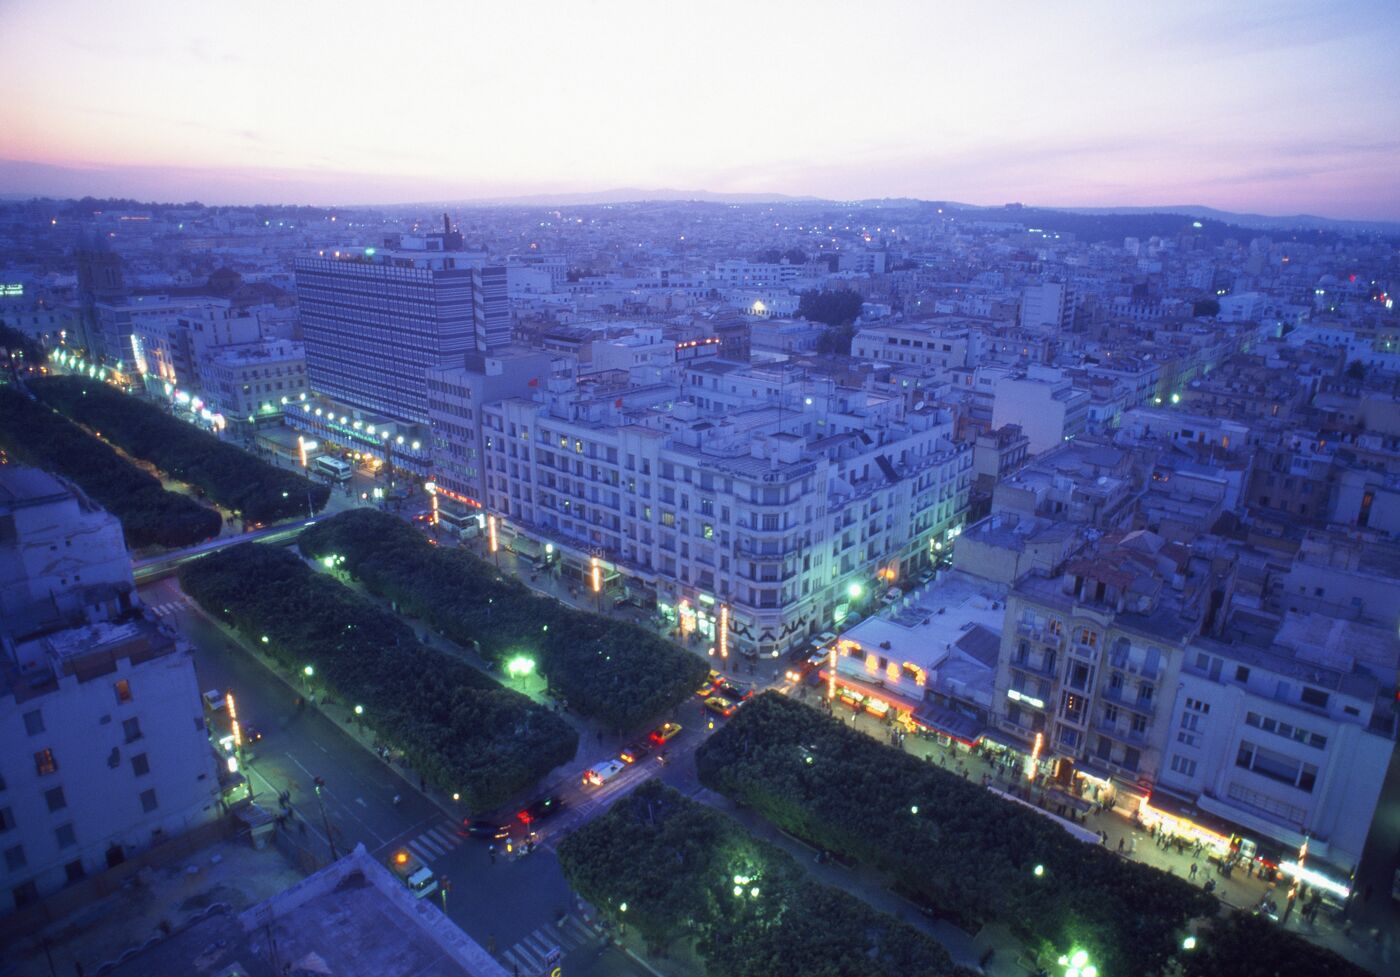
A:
x,y
508,902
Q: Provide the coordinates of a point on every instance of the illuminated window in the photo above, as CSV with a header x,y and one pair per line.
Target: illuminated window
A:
x,y
123,689
44,762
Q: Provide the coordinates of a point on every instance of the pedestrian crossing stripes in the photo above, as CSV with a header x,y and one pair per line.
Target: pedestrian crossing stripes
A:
x,y
532,956
434,843
170,607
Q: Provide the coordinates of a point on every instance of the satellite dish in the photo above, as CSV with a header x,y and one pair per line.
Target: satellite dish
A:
x,y
919,405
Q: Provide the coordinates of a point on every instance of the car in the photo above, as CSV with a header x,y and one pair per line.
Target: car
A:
x,y
541,809
822,640
733,691
664,733
706,690
214,700
603,772
720,706
492,829
425,516
633,752
251,734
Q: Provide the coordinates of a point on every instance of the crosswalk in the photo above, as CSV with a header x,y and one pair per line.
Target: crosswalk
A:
x,y
545,948
170,607
435,842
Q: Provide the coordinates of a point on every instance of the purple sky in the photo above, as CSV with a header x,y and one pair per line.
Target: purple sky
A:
x,y
1277,108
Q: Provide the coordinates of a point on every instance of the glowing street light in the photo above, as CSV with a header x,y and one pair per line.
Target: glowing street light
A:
x,y
854,591
1038,871
359,710
520,666
1189,943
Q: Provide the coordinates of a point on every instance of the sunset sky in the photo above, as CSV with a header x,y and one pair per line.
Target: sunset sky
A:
x,y
1277,108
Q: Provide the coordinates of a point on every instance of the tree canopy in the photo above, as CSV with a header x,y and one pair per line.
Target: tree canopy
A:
x,y
613,671
686,872
150,516
463,731
234,478
832,306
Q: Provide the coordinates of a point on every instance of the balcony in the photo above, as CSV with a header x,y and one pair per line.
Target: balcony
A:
x,y
1118,697
1030,665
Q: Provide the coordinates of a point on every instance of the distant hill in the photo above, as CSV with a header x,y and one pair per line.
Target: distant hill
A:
x,y
1307,222
625,195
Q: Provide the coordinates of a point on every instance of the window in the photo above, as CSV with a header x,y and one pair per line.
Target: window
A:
x,y
1187,739
14,858
33,722
1241,673
140,765
65,836
44,763
7,819
132,728
1130,758
1313,697
148,800
56,800
1183,766
1139,724
75,870
1196,705
123,690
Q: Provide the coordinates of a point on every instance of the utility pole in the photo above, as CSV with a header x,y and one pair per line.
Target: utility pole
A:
x,y
325,822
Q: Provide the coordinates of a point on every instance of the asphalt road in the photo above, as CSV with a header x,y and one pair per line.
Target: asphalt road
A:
x,y
507,902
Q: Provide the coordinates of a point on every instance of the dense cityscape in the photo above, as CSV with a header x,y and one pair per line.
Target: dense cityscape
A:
x,y
697,584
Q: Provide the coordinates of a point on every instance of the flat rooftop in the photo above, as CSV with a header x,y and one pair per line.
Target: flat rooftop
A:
x,y
351,919
927,625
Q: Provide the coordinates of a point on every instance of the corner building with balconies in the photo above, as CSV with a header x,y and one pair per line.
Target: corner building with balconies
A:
x,y
1090,658
772,500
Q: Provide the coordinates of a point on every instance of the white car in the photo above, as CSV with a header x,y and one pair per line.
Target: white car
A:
x,y
214,700
603,772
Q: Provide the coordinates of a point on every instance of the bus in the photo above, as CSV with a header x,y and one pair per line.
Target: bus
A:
x,y
333,468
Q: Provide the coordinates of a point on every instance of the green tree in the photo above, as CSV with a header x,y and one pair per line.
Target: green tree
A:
x,y
834,307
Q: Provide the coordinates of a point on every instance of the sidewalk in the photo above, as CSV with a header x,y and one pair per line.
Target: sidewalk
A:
x,y
1240,891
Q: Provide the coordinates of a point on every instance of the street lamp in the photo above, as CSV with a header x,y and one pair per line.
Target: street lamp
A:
x,y
1077,964
520,666
306,674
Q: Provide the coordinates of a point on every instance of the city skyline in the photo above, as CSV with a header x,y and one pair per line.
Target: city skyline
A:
x,y
1110,108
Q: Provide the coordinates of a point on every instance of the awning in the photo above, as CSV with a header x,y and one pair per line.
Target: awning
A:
x,y
871,690
964,729
1009,740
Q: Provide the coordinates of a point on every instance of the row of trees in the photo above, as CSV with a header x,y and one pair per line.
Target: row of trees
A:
x,y
685,872
150,516
951,844
464,732
965,852
232,477
613,671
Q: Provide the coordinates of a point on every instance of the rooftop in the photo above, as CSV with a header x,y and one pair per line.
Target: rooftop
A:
x,y
351,919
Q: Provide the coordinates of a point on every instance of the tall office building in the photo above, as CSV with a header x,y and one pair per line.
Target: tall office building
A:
x,y
376,320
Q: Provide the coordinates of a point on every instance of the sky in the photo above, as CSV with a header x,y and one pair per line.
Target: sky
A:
x,y
1275,108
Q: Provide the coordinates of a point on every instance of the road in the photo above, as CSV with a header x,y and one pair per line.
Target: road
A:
x,y
509,902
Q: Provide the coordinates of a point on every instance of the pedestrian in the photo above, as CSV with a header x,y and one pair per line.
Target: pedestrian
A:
x,y
1193,871
491,851
1120,846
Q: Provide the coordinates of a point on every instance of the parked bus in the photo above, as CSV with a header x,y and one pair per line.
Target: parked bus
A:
x,y
332,468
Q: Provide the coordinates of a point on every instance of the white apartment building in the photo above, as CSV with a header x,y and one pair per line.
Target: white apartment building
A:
x,y
105,751
770,498
1288,736
255,381
932,345
1045,404
1045,306
740,273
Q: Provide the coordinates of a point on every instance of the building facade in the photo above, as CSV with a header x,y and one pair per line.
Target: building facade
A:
x,y
100,712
